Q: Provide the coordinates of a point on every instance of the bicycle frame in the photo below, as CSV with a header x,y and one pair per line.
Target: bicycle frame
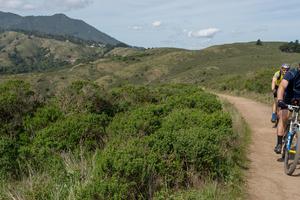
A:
x,y
294,126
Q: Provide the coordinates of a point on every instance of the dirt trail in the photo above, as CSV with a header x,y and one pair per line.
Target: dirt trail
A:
x,y
266,178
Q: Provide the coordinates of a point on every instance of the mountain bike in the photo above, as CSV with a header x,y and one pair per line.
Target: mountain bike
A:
x,y
291,148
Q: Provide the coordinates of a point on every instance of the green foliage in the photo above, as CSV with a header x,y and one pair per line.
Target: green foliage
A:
x,y
70,134
164,146
16,100
42,118
8,152
185,118
291,47
126,172
258,82
130,96
198,100
133,142
138,122
83,96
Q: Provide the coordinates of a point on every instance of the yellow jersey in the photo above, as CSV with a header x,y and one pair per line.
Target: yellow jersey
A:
x,y
279,76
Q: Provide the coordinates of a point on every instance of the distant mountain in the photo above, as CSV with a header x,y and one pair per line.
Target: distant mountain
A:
x,y
58,24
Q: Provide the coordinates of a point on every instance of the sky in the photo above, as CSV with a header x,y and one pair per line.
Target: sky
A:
x,y
189,24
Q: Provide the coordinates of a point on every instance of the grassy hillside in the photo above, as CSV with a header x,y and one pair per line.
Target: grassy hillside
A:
x,y
26,53
225,67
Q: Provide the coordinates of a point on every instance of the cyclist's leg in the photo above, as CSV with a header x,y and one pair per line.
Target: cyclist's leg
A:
x,y
283,117
274,108
275,114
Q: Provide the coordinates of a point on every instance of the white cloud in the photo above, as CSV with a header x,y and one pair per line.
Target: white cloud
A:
x,y
204,33
136,28
156,23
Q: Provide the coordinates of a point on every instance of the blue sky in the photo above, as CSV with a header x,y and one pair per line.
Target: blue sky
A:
x,y
191,24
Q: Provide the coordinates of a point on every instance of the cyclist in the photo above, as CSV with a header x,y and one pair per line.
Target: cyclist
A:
x,y
278,76
289,89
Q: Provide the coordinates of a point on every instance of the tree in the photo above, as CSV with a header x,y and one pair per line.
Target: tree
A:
x,y
291,47
258,42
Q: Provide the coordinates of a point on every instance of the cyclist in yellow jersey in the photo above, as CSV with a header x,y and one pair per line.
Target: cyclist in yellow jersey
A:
x,y
276,80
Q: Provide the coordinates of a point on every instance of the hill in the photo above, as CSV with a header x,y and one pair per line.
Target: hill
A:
x,y
58,24
241,66
159,141
21,53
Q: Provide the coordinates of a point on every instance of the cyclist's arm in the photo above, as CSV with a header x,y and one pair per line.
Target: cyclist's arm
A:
x,y
274,79
283,85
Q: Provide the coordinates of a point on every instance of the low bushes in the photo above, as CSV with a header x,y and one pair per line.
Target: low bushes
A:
x,y
135,144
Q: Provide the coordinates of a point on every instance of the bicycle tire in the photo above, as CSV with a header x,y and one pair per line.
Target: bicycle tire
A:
x,y
289,168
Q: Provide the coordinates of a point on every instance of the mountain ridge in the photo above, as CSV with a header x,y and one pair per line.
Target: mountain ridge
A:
x,y
57,24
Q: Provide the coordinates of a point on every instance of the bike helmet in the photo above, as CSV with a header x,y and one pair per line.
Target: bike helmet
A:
x,y
285,66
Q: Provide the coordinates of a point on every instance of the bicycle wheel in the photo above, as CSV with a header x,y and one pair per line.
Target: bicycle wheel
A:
x,y
292,156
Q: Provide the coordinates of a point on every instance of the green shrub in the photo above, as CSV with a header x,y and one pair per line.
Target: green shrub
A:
x,y
149,142
8,157
197,149
177,89
16,99
199,100
186,118
137,122
124,171
85,131
43,117
83,96
129,96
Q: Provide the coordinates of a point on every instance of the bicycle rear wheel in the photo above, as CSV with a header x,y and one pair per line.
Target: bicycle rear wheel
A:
x,y
287,128
292,156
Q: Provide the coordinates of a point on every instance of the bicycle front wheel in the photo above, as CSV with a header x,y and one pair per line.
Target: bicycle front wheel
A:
x,y
292,155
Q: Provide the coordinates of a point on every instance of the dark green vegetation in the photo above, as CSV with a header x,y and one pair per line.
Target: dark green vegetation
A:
x,y
48,25
291,47
259,42
130,142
